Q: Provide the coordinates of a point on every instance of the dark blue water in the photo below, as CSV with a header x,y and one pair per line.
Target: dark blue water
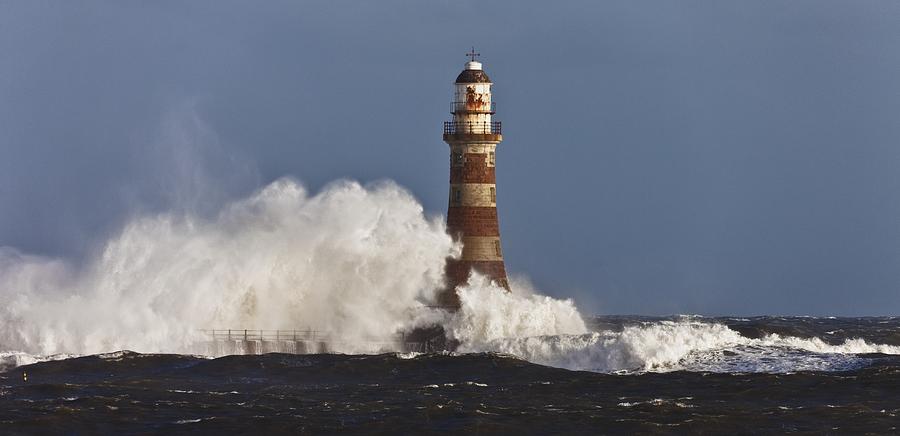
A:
x,y
130,393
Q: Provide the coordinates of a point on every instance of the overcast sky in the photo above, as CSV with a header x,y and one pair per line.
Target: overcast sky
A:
x,y
713,157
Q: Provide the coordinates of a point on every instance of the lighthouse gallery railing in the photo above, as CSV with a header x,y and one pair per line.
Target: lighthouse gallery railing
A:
x,y
472,127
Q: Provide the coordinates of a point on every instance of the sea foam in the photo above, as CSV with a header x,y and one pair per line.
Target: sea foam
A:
x,y
357,263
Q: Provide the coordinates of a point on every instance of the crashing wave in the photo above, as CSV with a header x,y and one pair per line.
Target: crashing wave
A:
x,y
685,346
357,263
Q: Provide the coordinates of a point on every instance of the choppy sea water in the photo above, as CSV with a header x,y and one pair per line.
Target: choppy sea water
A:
x,y
631,375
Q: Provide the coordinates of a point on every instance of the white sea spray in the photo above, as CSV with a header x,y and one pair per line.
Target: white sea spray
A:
x,y
358,263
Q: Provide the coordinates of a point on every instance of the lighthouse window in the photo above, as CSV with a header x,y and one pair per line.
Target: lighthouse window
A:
x,y
457,196
491,160
497,247
457,158
493,195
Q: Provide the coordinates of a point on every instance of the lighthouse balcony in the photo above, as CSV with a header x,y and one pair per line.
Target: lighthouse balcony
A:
x,y
472,107
452,128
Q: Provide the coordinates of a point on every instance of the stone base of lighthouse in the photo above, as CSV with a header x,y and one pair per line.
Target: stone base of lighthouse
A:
x,y
457,272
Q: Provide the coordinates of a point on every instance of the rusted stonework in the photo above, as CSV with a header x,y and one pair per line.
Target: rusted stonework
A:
x,y
472,204
476,221
475,173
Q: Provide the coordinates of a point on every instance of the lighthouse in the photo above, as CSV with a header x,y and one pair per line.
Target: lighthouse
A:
x,y
473,135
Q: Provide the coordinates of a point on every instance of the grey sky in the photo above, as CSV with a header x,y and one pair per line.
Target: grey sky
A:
x,y
659,157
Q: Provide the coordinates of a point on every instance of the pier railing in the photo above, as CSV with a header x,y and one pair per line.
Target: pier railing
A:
x,y
220,342
265,335
282,335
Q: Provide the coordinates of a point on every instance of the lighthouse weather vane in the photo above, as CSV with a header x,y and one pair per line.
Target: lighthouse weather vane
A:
x,y
472,54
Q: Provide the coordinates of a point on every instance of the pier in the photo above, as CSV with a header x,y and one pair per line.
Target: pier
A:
x,y
307,341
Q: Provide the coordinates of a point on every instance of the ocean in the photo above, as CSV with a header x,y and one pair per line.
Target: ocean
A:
x,y
627,375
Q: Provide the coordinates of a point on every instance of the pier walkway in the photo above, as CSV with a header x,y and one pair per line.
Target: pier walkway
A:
x,y
254,341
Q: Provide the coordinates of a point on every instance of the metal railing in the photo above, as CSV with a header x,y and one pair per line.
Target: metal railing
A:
x,y
464,107
241,341
264,335
278,335
472,127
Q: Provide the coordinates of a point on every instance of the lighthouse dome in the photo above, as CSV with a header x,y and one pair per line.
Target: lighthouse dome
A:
x,y
473,74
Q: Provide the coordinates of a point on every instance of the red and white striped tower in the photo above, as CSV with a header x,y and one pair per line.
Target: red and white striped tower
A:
x,y
472,211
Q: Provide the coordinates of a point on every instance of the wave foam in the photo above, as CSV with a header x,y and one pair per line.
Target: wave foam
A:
x,y
12,359
356,263
489,313
684,346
